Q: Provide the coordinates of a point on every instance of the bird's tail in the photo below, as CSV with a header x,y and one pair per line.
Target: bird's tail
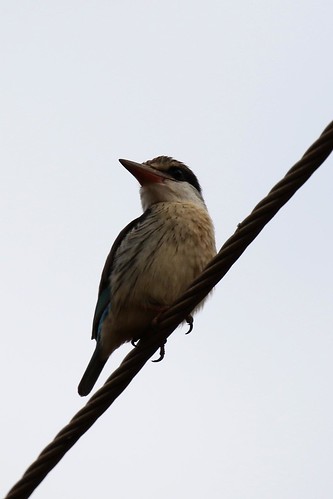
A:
x,y
94,369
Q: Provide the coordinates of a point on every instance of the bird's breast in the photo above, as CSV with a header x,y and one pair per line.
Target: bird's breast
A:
x,y
160,257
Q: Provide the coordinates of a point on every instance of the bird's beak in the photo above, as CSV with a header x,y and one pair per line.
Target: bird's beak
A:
x,y
143,173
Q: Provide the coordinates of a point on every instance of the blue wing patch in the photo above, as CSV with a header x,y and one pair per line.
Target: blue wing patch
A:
x,y
104,293
100,324
101,312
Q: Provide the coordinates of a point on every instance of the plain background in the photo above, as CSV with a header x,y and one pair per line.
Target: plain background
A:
x,y
242,407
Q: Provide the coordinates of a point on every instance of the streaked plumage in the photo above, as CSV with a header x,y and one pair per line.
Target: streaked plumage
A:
x,y
153,260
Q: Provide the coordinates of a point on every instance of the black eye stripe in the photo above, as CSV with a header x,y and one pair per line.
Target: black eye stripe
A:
x,y
184,174
176,173
176,169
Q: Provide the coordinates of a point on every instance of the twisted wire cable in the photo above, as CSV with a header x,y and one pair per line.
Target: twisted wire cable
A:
x,y
167,322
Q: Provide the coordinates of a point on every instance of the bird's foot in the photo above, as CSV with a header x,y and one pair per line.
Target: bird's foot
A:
x,y
190,322
162,352
135,342
155,322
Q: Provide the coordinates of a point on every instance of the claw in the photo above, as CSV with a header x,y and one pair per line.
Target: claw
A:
x,y
162,353
190,322
134,342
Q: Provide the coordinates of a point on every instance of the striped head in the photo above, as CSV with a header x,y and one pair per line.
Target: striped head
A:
x,y
164,179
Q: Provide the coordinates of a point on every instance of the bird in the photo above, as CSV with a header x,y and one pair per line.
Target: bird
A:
x,y
153,260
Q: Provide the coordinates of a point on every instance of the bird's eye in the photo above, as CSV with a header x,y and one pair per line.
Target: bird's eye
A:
x,y
176,173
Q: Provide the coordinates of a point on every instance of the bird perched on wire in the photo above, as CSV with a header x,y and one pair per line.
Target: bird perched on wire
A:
x,y
153,260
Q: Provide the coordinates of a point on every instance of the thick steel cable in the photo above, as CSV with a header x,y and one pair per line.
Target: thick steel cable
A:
x,y
246,232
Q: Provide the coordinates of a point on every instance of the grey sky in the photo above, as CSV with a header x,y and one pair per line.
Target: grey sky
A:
x,y
242,407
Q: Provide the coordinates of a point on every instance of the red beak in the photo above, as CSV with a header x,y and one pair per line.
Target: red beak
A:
x,y
143,173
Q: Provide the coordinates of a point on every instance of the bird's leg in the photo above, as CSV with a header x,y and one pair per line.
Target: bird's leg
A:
x,y
189,321
160,310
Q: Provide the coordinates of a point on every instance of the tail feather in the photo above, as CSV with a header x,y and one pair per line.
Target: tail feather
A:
x,y
94,369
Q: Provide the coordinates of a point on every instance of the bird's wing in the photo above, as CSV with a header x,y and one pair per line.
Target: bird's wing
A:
x,y
104,294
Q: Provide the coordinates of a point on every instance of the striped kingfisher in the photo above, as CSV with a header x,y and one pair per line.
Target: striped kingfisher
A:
x,y
153,260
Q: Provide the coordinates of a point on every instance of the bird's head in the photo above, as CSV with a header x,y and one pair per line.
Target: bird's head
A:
x,y
164,179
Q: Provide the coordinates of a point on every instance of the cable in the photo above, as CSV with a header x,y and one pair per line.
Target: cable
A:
x,y
246,232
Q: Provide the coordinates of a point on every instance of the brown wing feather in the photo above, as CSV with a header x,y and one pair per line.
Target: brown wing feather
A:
x,y
104,282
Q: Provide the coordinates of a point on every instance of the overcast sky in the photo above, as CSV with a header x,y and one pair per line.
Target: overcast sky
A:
x,y
238,90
